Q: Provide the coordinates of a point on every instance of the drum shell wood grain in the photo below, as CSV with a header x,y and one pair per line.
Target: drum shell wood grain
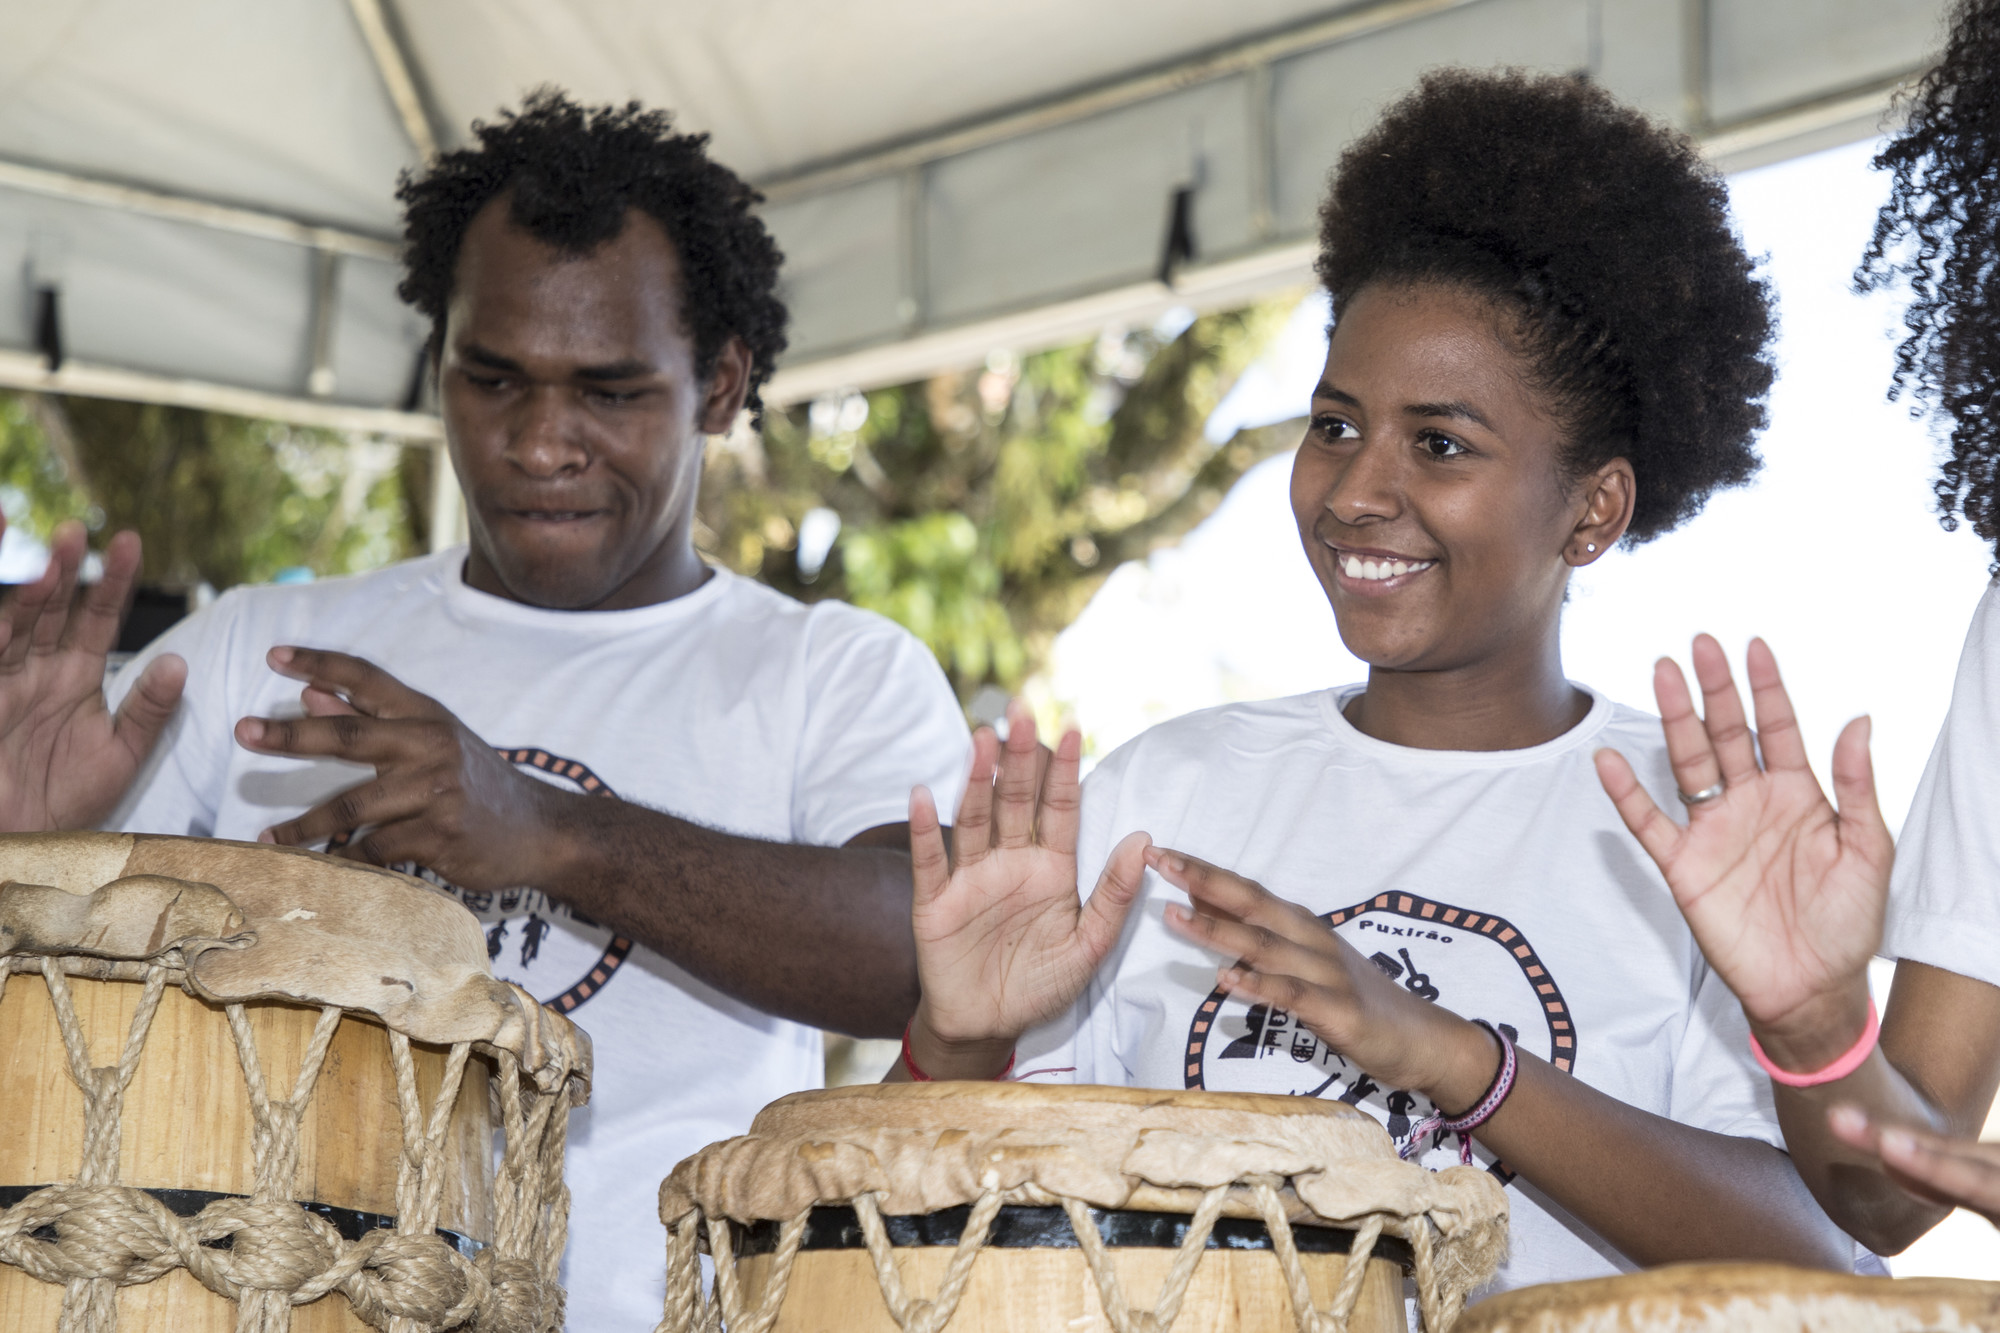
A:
x,y
186,1124
1037,1290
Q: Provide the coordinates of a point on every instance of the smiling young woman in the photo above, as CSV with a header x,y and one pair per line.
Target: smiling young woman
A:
x,y
1547,340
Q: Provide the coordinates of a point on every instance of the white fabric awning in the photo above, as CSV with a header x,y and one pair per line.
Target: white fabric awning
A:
x,y
201,190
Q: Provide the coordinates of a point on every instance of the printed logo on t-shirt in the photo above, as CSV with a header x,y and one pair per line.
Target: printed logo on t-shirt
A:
x,y
1473,963
553,952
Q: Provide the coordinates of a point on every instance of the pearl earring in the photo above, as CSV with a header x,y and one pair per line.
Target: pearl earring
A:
x,y
1590,547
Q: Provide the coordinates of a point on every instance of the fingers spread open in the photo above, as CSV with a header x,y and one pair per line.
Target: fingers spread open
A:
x,y
321,703
66,552
930,864
368,687
1659,835
1103,915
1256,947
1224,893
1778,734
378,803
93,626
1692,757
1020,774
362,740
972,827
1317,1008
1722,714
1062,795
152,701
393,844
1967,1173
1854,780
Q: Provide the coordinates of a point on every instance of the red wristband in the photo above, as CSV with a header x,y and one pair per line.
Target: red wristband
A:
x,y
919,1076
1839,1069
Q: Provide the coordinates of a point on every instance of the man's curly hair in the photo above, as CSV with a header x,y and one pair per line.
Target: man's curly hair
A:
x,y
1604,237
572,173
1940,232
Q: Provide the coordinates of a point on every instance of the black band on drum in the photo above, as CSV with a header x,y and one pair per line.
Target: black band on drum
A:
x,y
352,1224
1027,1227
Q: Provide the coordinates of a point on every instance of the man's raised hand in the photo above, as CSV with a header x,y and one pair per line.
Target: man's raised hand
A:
x,y
441,797
1784,895
65,759
1003,943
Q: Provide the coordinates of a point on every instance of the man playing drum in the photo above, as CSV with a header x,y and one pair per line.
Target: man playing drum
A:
x,y
602,300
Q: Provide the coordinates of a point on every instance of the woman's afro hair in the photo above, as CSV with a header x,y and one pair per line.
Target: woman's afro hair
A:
x,y
572,173
1940,232
1607,241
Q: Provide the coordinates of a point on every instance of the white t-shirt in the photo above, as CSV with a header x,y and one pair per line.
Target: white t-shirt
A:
x,y
733,706
1944,895
1499,884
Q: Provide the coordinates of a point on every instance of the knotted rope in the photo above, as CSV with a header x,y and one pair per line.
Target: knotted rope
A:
x,y
278,1255
688,1312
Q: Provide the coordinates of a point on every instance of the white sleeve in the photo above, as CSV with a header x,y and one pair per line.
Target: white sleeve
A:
x,y
1717,1085
1944,894
179,788
880,719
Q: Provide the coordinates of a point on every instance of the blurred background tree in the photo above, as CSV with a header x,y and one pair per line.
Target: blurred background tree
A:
x,y
216,499
981,509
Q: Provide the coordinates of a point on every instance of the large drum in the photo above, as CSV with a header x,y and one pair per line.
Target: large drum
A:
x,y
1017,1208
250,1088
1741,1298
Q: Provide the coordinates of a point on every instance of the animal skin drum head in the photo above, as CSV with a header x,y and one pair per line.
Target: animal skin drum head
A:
x,y
920,1178
308,1061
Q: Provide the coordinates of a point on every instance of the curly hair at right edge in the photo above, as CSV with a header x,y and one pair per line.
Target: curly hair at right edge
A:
x,y
1607,240
1940,233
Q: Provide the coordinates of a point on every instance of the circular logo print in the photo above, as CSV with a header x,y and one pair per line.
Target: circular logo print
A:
x,y
541,945
1474,963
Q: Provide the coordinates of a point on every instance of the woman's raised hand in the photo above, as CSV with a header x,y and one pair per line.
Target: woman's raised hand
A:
x,y
1784,895
1290,959
1003,943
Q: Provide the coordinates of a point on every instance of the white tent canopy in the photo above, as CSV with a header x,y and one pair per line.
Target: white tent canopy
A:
x,y
196,197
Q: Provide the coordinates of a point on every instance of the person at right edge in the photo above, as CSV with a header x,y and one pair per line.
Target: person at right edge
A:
x,y
1789,899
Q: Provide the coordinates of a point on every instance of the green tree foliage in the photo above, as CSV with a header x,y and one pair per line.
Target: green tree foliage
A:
x,y
216,499
981,509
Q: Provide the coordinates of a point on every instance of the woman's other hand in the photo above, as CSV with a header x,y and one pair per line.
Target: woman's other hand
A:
x,y
1290,959
1956,1172
1784,894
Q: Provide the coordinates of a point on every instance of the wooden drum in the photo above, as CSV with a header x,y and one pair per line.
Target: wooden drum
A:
x,y
1741,1298
1020,1208
239,1079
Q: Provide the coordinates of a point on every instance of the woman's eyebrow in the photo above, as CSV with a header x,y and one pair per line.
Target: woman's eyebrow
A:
x,y
1456,411
1327,391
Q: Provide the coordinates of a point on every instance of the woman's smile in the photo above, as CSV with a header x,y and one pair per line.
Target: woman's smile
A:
x,y
1371,572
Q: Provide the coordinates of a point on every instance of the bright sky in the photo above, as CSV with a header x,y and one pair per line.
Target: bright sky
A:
x,y
1833,554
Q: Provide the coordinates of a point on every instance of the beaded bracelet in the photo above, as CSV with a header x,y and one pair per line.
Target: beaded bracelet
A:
x,y
1481,1112
919,1076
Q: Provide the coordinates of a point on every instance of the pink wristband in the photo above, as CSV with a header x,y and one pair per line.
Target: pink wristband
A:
x,y
1839,1069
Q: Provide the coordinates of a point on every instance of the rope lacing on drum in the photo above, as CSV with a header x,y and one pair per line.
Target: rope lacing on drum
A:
x,y
407,1281
688,1312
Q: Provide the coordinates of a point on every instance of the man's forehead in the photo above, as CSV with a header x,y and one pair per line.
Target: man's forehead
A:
x,y
516,294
